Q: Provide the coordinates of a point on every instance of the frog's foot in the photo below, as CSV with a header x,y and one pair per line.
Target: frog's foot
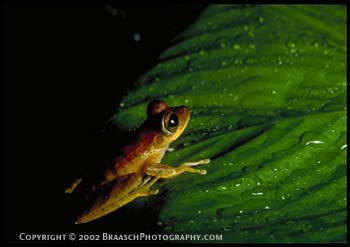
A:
x,y
73,186
165,171
145,181
187,167
145,188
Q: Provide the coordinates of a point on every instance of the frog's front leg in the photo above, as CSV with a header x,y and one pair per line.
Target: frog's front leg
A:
x,y
165,171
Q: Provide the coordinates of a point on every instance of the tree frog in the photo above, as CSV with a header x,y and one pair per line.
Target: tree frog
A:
x,y
139,165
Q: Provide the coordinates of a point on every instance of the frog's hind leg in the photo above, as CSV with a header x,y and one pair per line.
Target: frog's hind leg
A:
x,y
142,190
111,197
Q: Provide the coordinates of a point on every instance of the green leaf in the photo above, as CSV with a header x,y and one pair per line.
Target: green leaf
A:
x,y
266,87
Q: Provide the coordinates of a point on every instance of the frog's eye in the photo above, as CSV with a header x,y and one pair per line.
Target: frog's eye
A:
x,y
170,123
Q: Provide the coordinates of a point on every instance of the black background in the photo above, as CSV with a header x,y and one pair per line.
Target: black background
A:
x,y
66,68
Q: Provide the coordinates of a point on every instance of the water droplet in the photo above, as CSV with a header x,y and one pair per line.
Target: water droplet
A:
x,y
122,104
222,188
283,198
241,211
314,142
159,223
267,207
331,90
236,46
257,193
186,101
237,185
199,211
275,169
227,229
274,92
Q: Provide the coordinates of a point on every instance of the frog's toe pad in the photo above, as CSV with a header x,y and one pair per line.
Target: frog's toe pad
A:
x,y
206,161
153,192
202,172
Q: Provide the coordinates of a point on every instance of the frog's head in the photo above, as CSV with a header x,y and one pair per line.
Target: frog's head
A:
x,y
170,121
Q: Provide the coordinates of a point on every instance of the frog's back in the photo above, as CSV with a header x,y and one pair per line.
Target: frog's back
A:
x,y
133,156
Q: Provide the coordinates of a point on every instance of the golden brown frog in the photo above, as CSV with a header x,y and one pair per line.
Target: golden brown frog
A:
x,y
138,166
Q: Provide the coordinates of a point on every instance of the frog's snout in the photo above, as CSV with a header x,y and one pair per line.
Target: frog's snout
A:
x,y
184,114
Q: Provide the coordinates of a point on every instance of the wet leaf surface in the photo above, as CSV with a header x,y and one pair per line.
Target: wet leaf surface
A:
x,y
266,87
